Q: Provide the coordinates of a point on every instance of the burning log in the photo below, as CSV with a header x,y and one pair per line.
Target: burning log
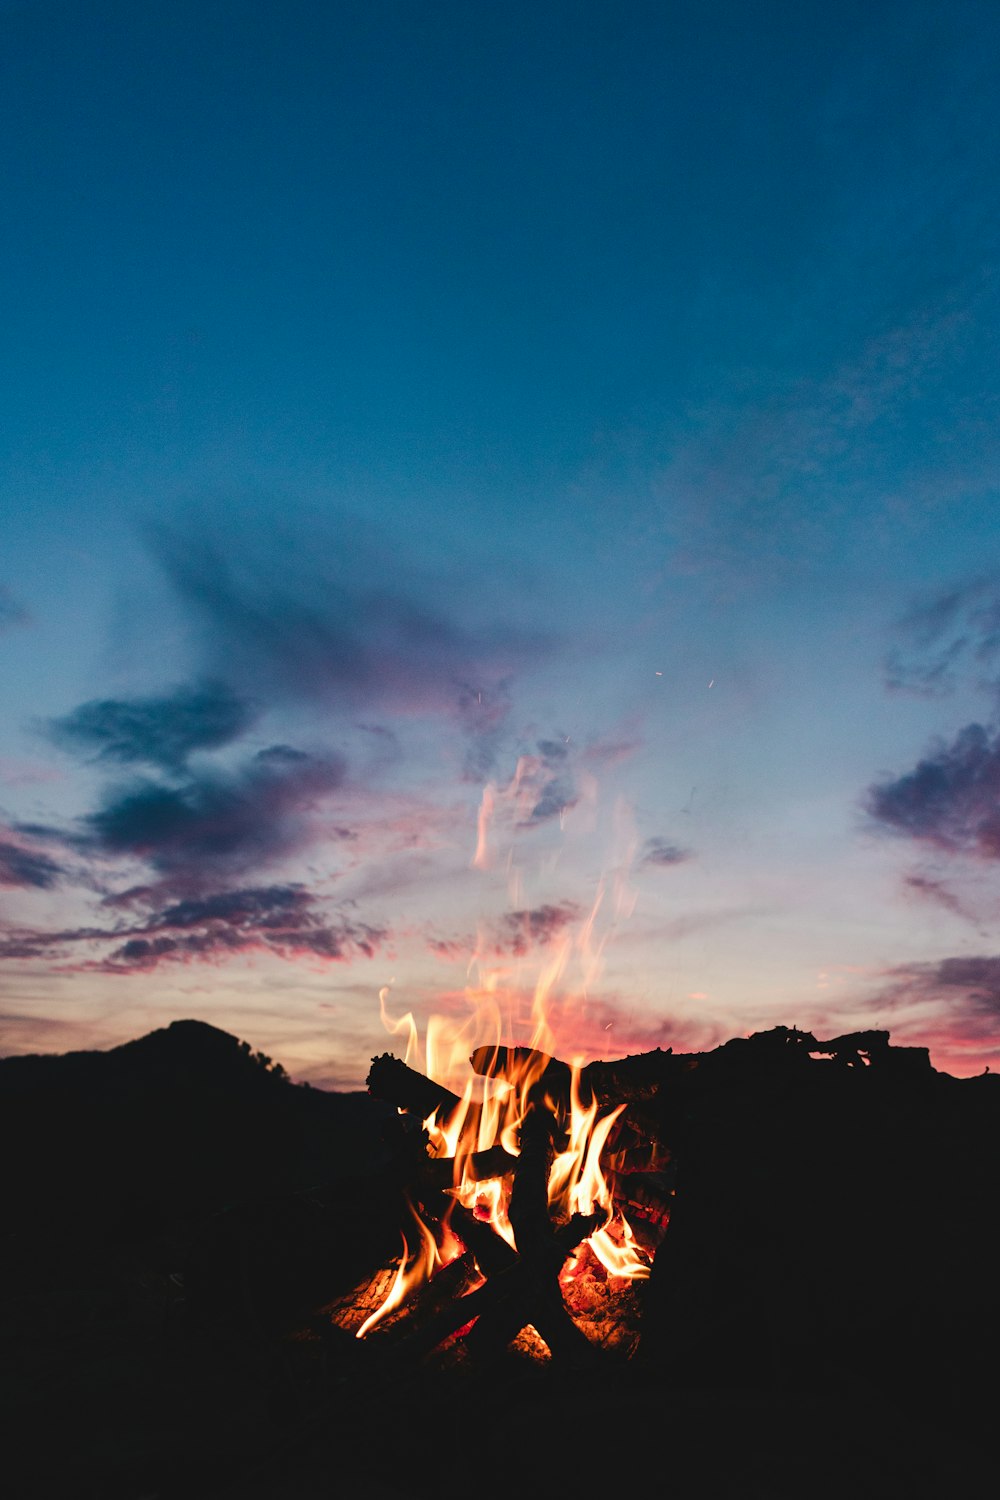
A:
x,y
535,1297
390,1079
522,1289
492,1252
518,1294
478,1166
625,1081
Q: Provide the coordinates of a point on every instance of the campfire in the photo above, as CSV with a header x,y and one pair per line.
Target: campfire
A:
x,y
539,1192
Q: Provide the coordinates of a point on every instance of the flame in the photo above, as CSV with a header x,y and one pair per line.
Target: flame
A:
x,y
519,1027
414,1268
490,1112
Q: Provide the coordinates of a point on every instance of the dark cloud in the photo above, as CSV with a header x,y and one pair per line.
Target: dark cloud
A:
x,y
27,867
660,851
161,731
519,931
282,919
947,638
980,975
216,821
335,620
951,800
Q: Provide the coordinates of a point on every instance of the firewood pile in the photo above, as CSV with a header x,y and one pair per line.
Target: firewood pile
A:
x,y
542,1292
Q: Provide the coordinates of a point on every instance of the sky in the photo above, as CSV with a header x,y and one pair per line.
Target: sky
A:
x,y
499,501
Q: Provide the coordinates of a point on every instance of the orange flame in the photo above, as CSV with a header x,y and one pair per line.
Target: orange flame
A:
x,y
491,1111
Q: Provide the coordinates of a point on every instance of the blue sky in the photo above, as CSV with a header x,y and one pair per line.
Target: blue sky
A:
x,y
575,421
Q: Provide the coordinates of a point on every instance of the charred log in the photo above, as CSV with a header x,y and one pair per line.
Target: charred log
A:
x,y
628,1080
390,1079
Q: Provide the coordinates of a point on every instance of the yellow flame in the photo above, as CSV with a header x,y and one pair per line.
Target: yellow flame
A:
x,y
490,1111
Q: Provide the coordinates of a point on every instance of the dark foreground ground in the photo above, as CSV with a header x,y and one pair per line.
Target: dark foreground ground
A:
x,y
822,1318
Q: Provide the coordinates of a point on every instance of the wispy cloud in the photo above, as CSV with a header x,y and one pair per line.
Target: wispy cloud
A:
x,y
283,919
949,637
26,867
776,467
951,1005
659,851
938,893
338,621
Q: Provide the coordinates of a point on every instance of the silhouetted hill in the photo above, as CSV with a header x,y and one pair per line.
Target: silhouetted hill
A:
x,y
138,1150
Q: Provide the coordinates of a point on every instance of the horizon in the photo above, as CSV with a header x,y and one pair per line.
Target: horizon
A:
x,y
500,500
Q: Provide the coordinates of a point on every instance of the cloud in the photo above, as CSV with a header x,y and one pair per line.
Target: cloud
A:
x,y
483,712
285,919
936,891
773,469
282,919
951,1006
159,731
338,621
27,867
946,638
212,823
515,933
659,851
519,931
543,784
950,800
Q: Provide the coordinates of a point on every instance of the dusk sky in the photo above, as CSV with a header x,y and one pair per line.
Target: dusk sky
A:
x,y
562,431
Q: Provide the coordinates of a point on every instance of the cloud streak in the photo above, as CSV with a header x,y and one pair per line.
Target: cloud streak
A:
x,y
951,1005
27,868
659,852
286,920
947,638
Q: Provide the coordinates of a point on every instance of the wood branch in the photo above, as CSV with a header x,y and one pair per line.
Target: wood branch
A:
x,y
451,1283
479,1166
624,1081
650,1195
390,1079
512,1287
531,1294
529,1195
492,1252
